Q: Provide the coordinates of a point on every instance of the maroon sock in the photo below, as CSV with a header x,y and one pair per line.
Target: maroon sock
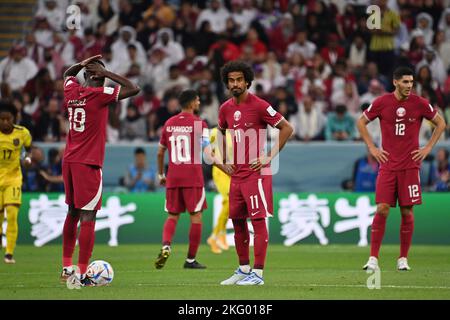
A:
x,y
169,230
261,240
378,227
406,232
242,240
69,238
86,242
195,236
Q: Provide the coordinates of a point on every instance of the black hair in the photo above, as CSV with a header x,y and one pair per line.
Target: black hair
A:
x,y
402,71
186,97
341,109
6,106
237,66
139,150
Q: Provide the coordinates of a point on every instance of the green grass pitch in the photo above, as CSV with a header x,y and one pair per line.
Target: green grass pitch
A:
x,y
298,272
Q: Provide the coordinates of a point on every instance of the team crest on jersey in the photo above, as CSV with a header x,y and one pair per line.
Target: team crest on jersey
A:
x,y
271,111
16,142
237,116
401,112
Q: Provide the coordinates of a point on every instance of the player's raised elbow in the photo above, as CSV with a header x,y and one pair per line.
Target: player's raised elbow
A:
x,y
135,90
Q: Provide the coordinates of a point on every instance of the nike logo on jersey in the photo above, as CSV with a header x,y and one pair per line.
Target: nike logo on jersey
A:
x,y
415,200
254,213
236,125
399,120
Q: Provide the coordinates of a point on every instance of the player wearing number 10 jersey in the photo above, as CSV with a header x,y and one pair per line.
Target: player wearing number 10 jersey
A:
x,y
400,114
185,136
87,109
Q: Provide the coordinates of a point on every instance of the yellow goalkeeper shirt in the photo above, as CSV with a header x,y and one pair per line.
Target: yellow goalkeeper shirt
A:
x,y
10,150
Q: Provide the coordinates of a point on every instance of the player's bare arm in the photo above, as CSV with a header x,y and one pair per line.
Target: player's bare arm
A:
x,y
74,69
27,157
216,161
128,88
379,154
160,158
286,131
421,154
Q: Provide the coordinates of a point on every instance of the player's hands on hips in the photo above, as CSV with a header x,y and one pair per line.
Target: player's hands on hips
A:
x,y
260,162
379,154
227,168
162,181
421,154
85,62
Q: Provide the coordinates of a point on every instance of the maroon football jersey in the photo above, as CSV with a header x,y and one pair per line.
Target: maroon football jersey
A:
x,y
400,123
182,135
87,108
247,123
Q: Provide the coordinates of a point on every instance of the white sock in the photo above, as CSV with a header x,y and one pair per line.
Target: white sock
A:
x,y
166,247
245,268
259,272
190,260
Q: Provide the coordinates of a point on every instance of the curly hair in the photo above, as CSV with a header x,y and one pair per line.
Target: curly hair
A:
x,y
6,106
237,66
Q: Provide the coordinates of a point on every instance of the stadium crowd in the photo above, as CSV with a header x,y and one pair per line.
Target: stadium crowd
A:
x,y
317,62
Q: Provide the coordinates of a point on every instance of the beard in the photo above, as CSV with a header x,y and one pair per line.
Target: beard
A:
x,y
236,92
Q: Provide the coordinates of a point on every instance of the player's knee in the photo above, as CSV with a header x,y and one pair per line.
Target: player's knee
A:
x,y
405,211
383,209
196,217
87,215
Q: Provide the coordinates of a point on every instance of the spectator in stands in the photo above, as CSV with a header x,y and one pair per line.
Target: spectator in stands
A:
x,y
309,121
376,89
442,48
51,126
163,12
424,23
43,32
333,51
176,81
301,45
53,173
133,127
257,49
444,23
434,62
382,40
119,49
129,15
23,118
348,96
156,120
33,181
147,102
209,104
173,50
440,171
365,172
139,176
53,13
416,46
241,16
156,70
282,35
216,15
358,52
16,69
204,38
340,125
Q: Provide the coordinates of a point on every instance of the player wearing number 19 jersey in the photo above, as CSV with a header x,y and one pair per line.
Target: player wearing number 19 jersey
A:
x,y
87,109
400,114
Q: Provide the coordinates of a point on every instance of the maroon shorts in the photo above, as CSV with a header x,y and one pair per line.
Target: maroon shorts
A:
x,y
190,199
251,199
83,185
403,185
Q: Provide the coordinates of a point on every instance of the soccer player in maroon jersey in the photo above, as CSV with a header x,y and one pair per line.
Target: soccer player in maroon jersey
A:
x,y
87,108
246,117
185,136
400,113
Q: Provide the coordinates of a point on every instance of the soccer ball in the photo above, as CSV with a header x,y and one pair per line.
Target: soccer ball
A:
x,y
100,272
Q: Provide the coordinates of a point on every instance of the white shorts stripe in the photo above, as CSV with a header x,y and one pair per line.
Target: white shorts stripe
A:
x,y
93,203
200,203
263,197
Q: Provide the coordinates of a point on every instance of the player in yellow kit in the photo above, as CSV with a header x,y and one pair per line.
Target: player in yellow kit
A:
x,y
12,139
218,240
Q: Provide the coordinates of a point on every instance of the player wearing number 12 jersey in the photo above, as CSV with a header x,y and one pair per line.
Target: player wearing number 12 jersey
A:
x,y
185,136
87,109
400,114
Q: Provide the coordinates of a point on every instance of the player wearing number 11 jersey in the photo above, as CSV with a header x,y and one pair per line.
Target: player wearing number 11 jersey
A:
x,y
87,109
400,114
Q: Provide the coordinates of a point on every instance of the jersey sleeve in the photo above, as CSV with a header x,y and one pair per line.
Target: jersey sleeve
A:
x,y
428,112
270,115
106,95
26,138
222,121
205,135
373,111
